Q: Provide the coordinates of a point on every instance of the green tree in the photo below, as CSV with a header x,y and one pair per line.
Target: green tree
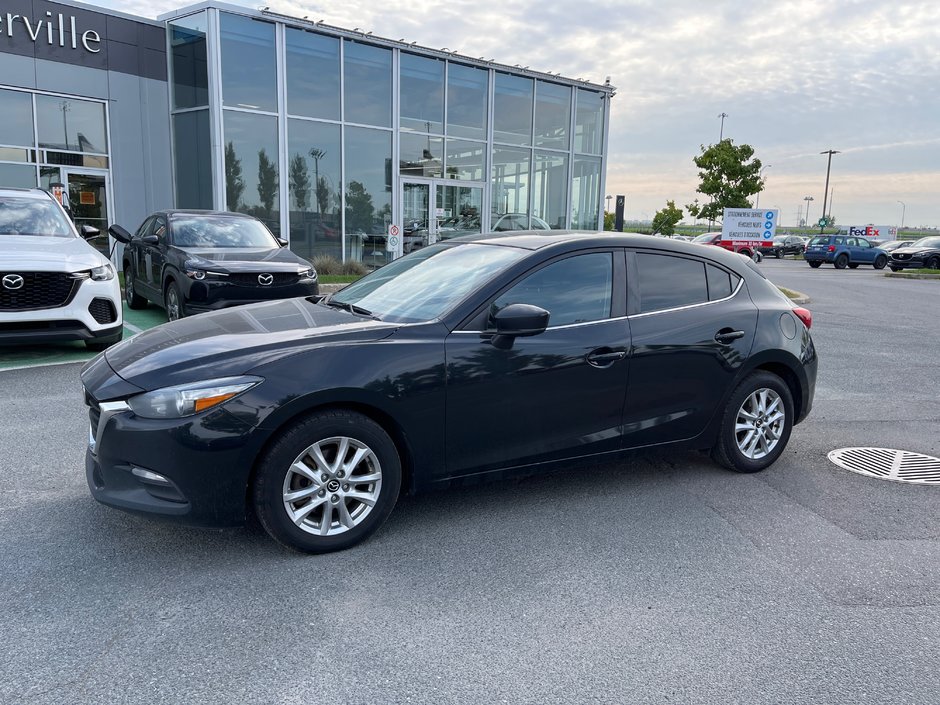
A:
x,y
267,182
234,182
609,220
665,220
359,209
729,176
323,194
299,181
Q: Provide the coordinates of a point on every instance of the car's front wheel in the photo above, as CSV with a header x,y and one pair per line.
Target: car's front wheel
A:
x,y
895,269
328,482
933,263
880,262
756,424
173,302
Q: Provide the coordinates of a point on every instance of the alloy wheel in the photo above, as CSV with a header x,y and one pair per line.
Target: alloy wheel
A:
x,y
759,423
172,305
128,286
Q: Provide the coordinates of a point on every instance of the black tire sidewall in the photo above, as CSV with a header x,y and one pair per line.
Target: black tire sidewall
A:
x,y
882,260
932,263
268,484
841,262
171,286
737,460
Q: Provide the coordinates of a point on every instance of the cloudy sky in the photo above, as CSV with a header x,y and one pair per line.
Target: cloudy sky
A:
x,y
795,77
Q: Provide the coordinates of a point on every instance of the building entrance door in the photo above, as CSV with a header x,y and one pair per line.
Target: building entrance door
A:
x,y
436,210
89,198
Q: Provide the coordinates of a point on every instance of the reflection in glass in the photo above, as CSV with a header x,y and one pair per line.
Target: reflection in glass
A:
x,y
585,194
422,94
589,122
188,61
420,155
465,160
550,188
368,84
368,163
17,111
249,66
415,206
552,115
312,74
70,124
460,211
466,101
668,282
510,182
512,109
314,173
14,154
193,159
251,166
17,175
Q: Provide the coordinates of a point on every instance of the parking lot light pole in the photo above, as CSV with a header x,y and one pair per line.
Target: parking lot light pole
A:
x,y
903,209
807,199
761,177
830,152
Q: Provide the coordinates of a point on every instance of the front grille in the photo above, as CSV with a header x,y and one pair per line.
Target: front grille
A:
x,y
39,290
900,255
280,279
102,310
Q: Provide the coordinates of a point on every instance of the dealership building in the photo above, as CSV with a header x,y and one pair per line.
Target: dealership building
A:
x,y
330,136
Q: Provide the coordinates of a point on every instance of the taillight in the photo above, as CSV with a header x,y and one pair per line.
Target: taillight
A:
x,y
805,315
832,248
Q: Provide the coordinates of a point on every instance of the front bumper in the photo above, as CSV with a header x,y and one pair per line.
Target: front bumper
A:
x,y
907,264
208,295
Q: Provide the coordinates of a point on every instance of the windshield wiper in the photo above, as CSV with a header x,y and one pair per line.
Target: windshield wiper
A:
x,y
352,308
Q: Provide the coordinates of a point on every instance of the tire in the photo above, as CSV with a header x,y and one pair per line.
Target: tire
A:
x,y
853,266
895,269
730,448
932,263
105,343
815,265
841,261
173,302
880,262
778,254
132,298
276,477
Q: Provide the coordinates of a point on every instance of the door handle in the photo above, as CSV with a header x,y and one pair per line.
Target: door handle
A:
x,y
605,357
726,335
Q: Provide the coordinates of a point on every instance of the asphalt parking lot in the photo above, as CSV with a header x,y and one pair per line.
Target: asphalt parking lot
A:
x,y
661,580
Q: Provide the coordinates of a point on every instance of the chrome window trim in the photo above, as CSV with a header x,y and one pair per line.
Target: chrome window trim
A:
x,y
566,325
698,305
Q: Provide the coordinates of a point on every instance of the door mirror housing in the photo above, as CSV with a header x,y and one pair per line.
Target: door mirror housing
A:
x,y
119,234
520,320
150,240
281,241
89,231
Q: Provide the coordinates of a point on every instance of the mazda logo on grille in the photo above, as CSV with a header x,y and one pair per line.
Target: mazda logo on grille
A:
x,y
13,282
265,279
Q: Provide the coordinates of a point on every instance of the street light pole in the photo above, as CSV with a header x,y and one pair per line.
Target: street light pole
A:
x,y
608,202
808,199
721,133
903,209
761,177
830,152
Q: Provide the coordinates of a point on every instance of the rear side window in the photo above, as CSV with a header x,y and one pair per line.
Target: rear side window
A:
x,y
670,282
720,282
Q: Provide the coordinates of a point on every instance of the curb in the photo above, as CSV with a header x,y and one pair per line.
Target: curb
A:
x,y
799,298
331,288
911,275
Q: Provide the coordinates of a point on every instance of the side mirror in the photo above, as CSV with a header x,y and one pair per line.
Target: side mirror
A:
x,y
281,241
89,231
520,320
150,240
118,233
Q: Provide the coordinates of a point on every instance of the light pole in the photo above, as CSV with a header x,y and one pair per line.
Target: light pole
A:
x,y
830,152
608,202
721,132
808,199
761,177
317,154
903,209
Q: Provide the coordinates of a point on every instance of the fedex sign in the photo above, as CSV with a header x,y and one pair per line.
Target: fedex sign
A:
x,y
875,232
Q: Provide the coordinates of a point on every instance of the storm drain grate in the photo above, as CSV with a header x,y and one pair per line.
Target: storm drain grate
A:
x,y
889,464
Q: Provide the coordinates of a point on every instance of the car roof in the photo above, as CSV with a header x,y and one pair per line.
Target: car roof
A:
x,y
193,211
33,193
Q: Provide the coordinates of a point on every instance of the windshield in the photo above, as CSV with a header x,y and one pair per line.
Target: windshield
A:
x,y
820,240
29,216
707,237
426,284
211,231
780,241
926,242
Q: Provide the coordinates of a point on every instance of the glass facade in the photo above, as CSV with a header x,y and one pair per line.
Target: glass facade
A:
x,y
364,132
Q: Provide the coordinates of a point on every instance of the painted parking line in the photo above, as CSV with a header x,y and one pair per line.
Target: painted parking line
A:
x,y
18,357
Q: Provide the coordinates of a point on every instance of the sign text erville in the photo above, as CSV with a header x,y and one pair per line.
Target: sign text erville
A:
x,y
55,33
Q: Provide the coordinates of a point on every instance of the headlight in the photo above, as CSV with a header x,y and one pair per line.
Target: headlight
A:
x,y
103,273
188,399
308,273
920,255
200,274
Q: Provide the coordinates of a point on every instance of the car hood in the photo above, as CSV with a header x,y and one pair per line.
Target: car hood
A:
x,y
234,341
47,254
246,259
913,250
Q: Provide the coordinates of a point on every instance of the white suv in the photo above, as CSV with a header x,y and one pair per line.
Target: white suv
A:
x,y
53,284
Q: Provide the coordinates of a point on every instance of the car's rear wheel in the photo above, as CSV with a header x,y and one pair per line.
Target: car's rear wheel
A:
x,y
842,261
933,263
173,302
880,262
131,297
756,424
815,265
328,482
853,266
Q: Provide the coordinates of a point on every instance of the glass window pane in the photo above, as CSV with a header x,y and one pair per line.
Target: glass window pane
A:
x,y
550,183
719,283
17,175
314,149
465,160
251,166
510,188
668,282
422,94
312,74
420,155
14,154
368,84
188,61
70,124
17,110
368,193
193,157
552,115
586,193
589,122
249,67
574,290
466,101
512,109
462,207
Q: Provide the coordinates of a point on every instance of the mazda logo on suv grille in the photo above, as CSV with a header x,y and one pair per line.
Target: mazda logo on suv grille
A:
x,y
265,279
13,282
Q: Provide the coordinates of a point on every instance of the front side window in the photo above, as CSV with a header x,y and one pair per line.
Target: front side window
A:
x,y
670,282
574,290
27,216
219,231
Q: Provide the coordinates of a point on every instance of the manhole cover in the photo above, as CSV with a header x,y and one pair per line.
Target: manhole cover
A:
x,y
889,464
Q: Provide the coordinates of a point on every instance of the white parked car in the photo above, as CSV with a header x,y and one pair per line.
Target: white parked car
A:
x,y
53,284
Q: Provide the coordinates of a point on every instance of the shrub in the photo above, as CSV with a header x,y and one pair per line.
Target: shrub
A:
x,y
353,268
327,265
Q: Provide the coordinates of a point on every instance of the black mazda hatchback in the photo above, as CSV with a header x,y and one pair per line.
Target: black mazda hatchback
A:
x,y
480,355
194,261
